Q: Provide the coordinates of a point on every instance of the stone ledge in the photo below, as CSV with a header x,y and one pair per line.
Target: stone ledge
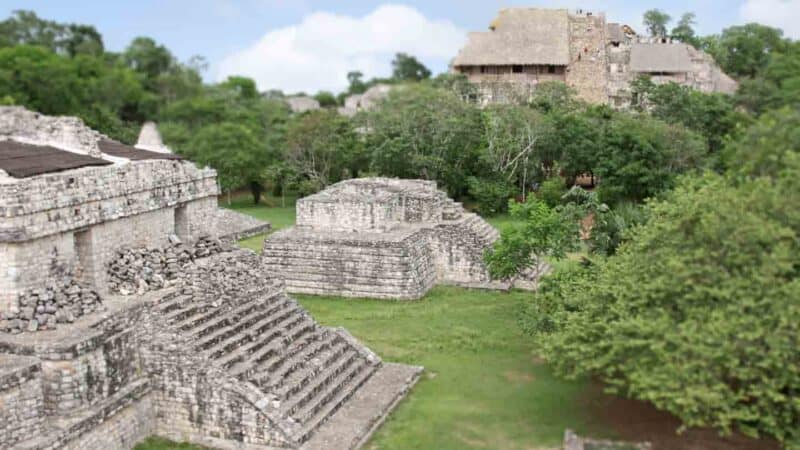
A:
x,y
356,421
15,369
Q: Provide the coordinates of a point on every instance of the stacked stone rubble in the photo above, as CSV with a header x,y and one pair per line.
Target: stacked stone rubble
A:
x,y
45,308
138,270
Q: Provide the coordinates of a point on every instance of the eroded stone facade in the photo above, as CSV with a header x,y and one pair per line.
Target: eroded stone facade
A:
x,y
207,349
381,238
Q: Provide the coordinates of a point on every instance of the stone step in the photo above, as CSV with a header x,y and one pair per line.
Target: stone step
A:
x,y
300,370
233,326
221,321
250,350
270,364
259,359
174,301
179,313
314,415
250,333
326,378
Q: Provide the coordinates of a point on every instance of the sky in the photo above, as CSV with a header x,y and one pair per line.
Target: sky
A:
x,y
310,45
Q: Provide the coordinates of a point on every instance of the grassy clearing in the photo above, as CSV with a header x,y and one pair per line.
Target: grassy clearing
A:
x,y
483,387
279,213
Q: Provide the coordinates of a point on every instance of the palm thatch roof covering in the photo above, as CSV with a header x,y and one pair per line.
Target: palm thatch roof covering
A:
x,y
26,160
660,58
520,36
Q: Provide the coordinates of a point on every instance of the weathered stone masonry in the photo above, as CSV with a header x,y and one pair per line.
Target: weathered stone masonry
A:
x,y
208,349
381,238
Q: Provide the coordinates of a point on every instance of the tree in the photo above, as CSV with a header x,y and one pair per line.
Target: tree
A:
x,y
148,58
765,146
684,30
698,313
777,85
326,99
407,68
423,132
323,148
745,50
639,157
713,115
656,22
357,85
231,149
243,86
536,232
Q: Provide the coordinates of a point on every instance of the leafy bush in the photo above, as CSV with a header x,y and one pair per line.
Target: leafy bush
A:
x,y
538,231
699,313
763,148
551,191
491,196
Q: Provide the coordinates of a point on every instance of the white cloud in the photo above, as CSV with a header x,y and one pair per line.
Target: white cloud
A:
x,y
783,14
318,52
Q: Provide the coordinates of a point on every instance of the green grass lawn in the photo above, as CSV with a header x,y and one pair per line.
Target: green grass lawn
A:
x,y
483,387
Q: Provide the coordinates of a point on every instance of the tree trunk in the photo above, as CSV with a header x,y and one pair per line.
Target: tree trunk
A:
x,y
256,189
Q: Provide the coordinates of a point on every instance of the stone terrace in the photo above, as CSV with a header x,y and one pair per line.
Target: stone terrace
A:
x,y
381,238
123,314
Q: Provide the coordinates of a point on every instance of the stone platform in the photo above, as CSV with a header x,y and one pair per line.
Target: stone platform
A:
x,y
125,311
224,358
382,238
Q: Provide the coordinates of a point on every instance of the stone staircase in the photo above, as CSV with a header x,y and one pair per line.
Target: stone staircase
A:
x,y
480,228
271,343
451,209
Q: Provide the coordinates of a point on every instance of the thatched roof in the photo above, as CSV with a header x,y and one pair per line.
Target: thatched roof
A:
x,y
660,58
521,36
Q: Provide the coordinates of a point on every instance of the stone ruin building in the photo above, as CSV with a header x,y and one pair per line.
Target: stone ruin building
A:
x,y
302,103
125,311
527,46
382,238
367,101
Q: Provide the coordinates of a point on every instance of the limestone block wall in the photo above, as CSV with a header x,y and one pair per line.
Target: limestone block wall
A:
x,y
21,401
348,214
352,266
30,264
196,402
587,70
458,249
49,204
123,430
97,245
84,377
196,218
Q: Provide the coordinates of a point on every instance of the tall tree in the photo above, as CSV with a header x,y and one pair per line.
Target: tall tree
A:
x,y
356,80
745,50
407,68
684,30
656,22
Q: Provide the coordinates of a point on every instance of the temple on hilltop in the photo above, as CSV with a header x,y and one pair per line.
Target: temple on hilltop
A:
x,y
126,311
527,46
